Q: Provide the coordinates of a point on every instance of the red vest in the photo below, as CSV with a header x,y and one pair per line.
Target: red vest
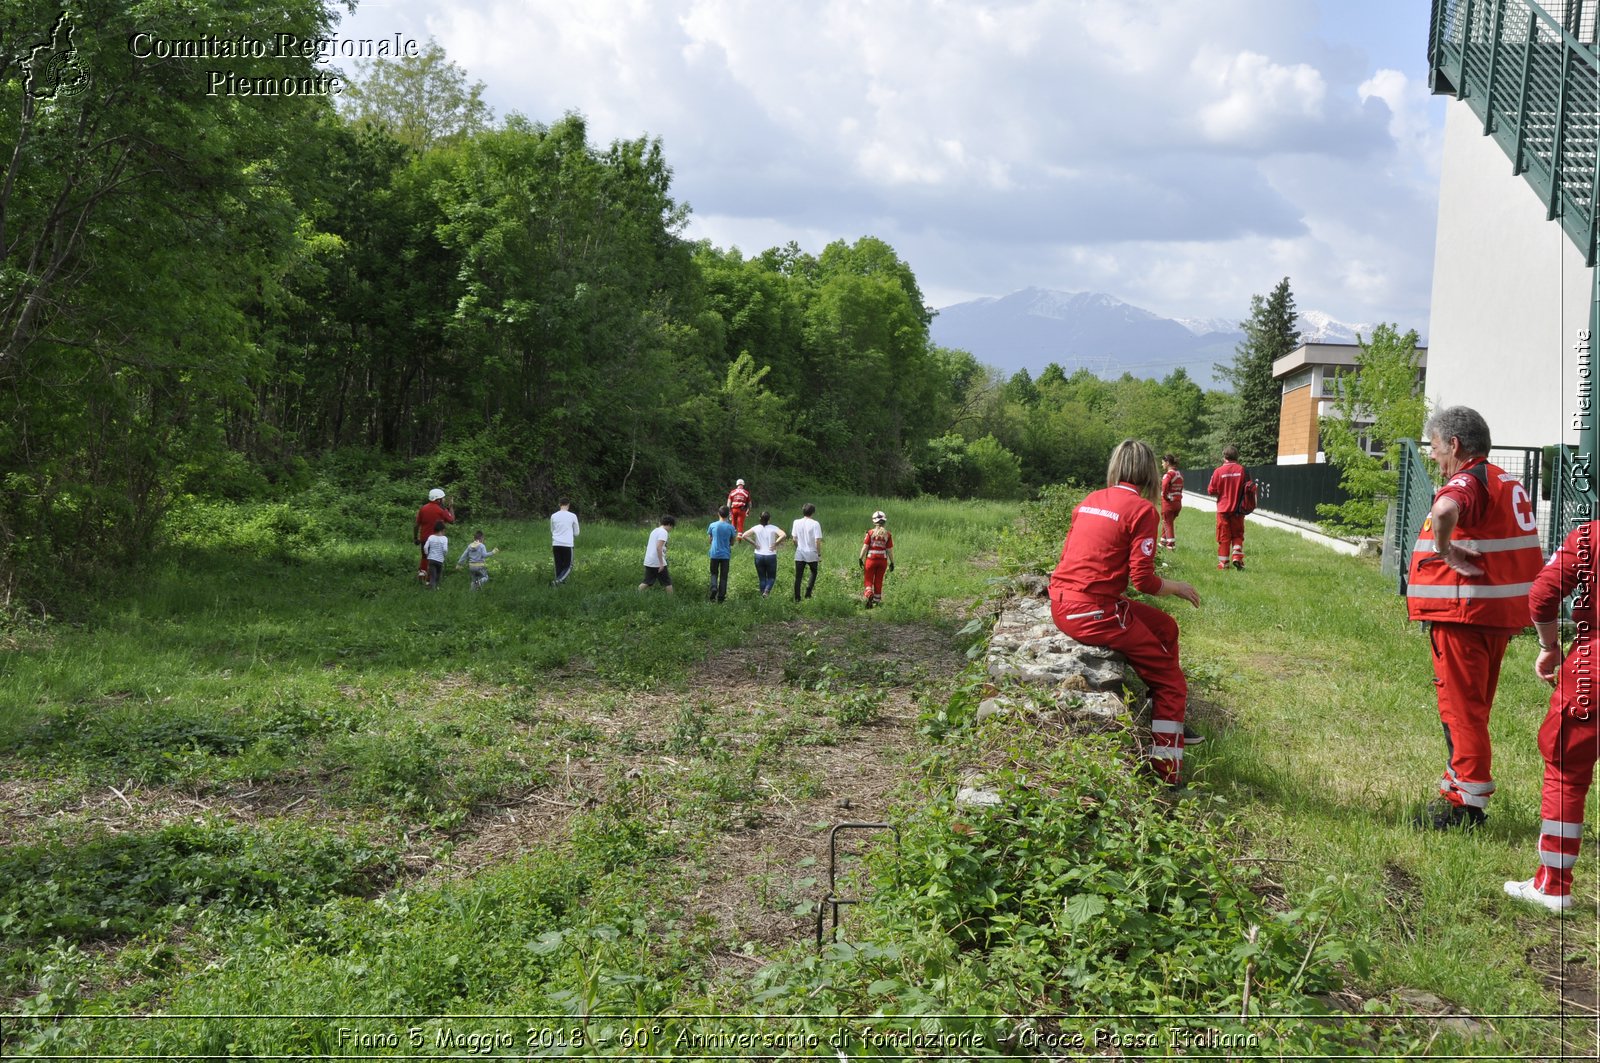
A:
x,y
1172,487
878,542
738,498
1507,534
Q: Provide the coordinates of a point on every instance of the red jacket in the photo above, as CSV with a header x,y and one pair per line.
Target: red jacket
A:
x,y
430,514
1571,568
878,542
1172,489
1112,542
738,498
1503,525
1226,485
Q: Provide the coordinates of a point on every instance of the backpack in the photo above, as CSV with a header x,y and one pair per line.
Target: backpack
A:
x,y
1247,496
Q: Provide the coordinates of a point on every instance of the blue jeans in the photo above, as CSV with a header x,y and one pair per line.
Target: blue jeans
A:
x,y
766,571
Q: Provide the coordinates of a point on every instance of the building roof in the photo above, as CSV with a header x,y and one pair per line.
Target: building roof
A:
x,y
1338,355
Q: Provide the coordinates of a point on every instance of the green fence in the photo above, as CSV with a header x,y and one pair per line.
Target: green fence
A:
x,y
1572,495
1411,504
1286,490
1534,85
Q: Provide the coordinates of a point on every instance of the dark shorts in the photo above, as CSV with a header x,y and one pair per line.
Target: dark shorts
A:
x,y
652,576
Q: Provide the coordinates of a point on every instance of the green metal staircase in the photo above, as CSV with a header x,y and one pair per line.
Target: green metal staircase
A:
x,y
1527,72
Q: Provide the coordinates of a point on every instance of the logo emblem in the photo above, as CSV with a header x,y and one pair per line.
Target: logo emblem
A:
x,y
1148,546
52,68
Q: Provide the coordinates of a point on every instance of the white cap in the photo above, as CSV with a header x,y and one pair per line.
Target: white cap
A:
x,y
878,517
738,483
436,494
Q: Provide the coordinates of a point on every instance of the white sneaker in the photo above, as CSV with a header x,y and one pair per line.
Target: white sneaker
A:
x,y
1524,891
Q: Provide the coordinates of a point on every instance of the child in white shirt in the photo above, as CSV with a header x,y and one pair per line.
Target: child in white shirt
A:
x,y
435,550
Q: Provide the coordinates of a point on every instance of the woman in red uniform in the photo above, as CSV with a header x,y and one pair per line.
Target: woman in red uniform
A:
x,y
1112,542
1171,501
876,558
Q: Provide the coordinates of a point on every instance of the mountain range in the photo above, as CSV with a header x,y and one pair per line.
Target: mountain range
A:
x,y
1031,328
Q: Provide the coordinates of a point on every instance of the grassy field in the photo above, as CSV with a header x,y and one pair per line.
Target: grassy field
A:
x,y
253,787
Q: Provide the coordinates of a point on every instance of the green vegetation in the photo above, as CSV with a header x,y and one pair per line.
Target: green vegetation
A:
x,y
258,784
1381,402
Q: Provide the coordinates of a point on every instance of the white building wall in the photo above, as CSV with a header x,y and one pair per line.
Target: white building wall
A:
x,y
1510,294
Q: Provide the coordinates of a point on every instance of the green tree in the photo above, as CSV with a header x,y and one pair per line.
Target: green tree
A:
x,y
143,227
419,100
1270,333
1378,404
998,471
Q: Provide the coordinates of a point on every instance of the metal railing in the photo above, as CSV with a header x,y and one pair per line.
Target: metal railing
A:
x,y
1572,495
1535,86
1412,500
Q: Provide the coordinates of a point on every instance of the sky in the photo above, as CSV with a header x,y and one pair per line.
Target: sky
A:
x,y
1181,155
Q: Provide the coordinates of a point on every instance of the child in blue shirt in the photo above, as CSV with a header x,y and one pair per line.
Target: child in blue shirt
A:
x,y
721,533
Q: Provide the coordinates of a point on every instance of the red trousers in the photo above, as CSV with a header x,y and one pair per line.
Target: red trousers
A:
x,y
872,570
1570,742
1466,671
1148,638
736,517
1169,515
1230,537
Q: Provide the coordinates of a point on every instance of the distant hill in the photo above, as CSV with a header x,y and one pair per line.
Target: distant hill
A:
x,y
1031,328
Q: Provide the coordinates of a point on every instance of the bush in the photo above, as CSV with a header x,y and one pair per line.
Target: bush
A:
x,y
1034,545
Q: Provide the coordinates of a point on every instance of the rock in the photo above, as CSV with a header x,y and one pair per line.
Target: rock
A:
x,y
1099,704
1425,1004
972,798
993,707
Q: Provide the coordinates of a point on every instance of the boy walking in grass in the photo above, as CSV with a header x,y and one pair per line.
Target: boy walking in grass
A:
x,y
721,533
655,556
563,532
476,557
434,551
807,536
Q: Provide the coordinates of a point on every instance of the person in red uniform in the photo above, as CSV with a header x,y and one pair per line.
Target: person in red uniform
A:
x,y
432,512
1111,543
1227,486
1171,501
738,506
1570,736
1471,570
876,558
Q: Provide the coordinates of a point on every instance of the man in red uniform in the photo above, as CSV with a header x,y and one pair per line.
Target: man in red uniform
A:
x,y
1570,736
432,512
738,506
1110,543
1471,569
876,558
1227,487
1171,501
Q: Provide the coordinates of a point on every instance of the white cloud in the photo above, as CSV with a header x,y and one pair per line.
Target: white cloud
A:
x,y
1258,99
1184,155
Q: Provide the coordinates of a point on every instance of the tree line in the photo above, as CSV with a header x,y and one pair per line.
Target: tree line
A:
x,y
208,296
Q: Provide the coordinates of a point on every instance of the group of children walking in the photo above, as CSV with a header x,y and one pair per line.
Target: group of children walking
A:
x,y
875,559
